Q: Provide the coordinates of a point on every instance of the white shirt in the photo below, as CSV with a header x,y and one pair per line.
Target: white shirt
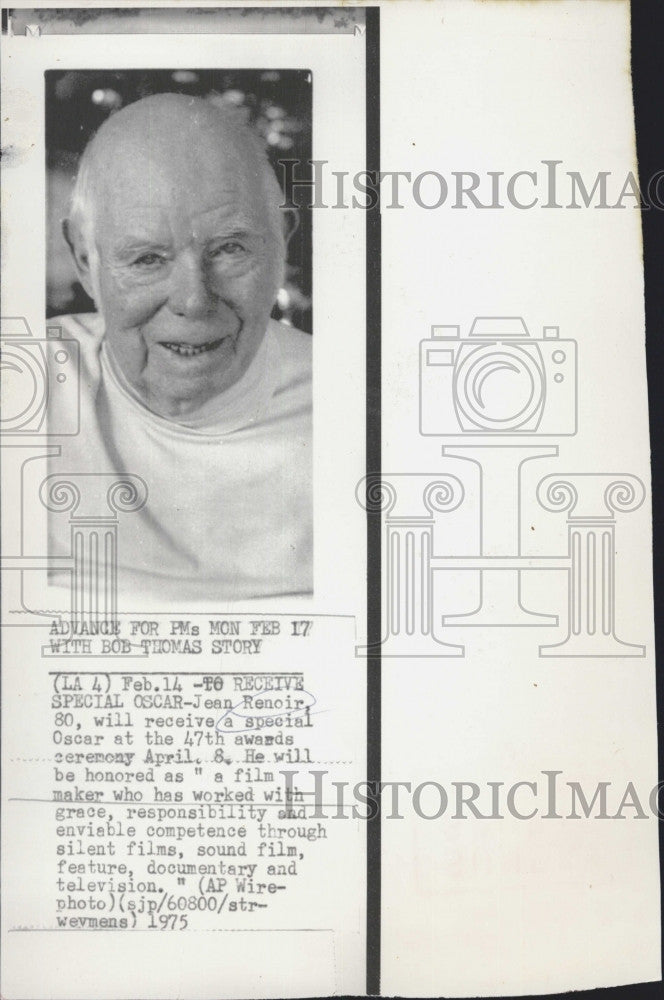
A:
x,y
229,509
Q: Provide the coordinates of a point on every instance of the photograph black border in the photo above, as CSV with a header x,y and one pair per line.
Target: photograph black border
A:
x,y
374,518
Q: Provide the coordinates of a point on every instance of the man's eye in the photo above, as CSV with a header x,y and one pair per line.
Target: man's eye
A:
x,y
148,260
228,249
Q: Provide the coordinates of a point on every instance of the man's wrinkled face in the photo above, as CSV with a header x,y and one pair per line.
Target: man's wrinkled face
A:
x,y
189,265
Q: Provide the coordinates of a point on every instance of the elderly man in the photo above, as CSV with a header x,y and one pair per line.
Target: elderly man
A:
x,y
177,235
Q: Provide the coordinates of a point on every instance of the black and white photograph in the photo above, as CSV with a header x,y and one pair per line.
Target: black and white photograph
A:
x,y
183,283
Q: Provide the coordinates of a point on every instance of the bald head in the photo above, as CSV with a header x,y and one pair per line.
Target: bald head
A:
x,y
173,136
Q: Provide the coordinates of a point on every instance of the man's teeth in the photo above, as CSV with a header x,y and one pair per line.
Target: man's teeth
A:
x,y
189,350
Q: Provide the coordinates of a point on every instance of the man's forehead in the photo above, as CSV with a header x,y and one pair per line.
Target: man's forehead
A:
x,y
140,215
153,190
180,220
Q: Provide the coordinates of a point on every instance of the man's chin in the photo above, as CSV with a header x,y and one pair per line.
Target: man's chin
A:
x,y
177,394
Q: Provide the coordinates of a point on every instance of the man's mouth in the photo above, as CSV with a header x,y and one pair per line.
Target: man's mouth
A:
x,y
191,350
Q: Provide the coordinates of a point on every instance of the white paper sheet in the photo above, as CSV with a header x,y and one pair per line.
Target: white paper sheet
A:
x,y
518,735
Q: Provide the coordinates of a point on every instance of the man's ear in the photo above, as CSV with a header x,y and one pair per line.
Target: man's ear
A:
x,y
79,251
290,222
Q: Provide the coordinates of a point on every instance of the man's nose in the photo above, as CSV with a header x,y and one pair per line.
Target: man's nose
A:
x,y
189,294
